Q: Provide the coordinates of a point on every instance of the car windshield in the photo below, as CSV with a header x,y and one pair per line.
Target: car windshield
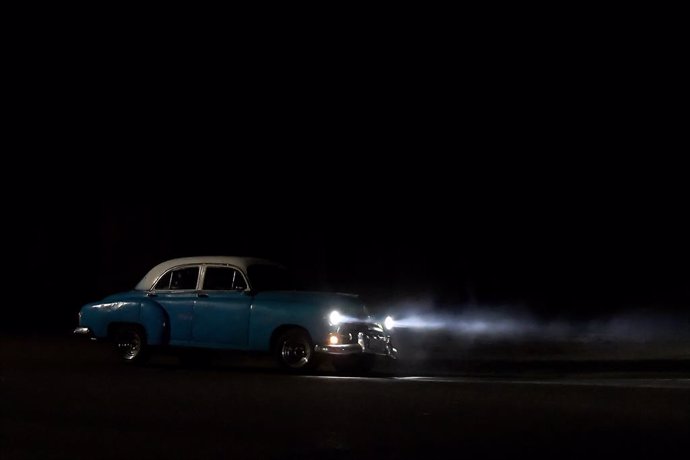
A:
x,y
270,278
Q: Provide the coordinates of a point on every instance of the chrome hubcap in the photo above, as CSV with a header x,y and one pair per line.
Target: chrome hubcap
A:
x,y
295,353
129,345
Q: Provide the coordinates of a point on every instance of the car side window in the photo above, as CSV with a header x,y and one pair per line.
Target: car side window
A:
x,y
184,278
164,282
223,279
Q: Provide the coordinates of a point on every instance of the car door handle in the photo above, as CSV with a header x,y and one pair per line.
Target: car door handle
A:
x,y
150,294
201,294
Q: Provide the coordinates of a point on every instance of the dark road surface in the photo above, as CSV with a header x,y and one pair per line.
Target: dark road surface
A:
x,y
62,398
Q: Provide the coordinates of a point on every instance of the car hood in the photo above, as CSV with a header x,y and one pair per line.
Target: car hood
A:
x,y
346,304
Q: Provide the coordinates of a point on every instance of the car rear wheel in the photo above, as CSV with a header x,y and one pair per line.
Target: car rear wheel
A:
x,y
295,351
130,344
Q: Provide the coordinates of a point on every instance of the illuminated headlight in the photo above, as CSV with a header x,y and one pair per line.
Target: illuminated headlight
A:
x,y
333,340
388,322
335,318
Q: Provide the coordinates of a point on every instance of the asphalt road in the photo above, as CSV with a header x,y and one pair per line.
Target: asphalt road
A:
x,y
62,398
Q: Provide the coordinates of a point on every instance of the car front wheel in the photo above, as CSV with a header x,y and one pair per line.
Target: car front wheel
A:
x,y
294,350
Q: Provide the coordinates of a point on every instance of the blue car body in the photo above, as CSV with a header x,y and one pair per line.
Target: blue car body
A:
x,y
233,303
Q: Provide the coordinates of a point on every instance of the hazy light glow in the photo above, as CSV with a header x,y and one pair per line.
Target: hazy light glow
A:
x,y
333,340
635,325
389,323
474,324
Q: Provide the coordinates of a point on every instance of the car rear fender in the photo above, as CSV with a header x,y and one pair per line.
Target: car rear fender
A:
x,y
100,317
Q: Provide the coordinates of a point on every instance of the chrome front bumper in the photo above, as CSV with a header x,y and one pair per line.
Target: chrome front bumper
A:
x,y
366,344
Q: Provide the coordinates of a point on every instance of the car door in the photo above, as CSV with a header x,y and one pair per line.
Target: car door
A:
x,y
176,292
221,311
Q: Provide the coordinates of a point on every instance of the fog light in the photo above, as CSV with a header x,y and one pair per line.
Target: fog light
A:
x,y
333,340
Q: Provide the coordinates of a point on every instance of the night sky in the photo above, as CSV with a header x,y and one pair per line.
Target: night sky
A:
x,y
560,242
513,169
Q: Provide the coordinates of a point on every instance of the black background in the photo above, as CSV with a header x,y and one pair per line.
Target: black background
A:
x,y
477,161
566,240
539,176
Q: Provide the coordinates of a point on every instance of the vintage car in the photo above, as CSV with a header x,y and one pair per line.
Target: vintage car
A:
x,y
237,303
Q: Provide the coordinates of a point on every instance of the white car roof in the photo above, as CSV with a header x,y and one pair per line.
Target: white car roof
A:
x,y
240,262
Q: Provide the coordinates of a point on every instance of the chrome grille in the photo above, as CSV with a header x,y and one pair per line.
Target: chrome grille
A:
x,y
350,332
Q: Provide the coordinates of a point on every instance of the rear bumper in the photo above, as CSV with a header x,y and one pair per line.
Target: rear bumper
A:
x,y
366,345
84,332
